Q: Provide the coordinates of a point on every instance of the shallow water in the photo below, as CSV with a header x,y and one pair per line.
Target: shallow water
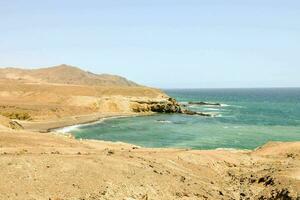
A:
x,y
247,119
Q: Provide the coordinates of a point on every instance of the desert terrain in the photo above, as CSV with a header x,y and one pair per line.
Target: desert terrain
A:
x,y
38,163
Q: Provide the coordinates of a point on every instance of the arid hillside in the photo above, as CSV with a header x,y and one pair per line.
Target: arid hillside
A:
x,y
64,91
63,74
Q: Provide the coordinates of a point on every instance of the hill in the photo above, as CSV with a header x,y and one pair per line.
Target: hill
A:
x,y
63,74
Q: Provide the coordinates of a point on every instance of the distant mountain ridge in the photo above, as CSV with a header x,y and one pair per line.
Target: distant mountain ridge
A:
x,y
64,74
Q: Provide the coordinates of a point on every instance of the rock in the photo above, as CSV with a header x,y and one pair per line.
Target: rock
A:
x,y
10,123
190,112
15,125
166,106
267,180
110,152
277,194
202,103
182,178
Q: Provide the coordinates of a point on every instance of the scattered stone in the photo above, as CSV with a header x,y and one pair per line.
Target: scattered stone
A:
x,y
110,152
182,178
267,180
291,155
178,194
145,197
277,194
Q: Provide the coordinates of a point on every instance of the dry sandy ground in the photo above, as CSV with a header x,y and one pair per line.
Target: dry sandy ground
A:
x,y
48,166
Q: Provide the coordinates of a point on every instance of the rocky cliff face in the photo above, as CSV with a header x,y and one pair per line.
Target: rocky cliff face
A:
x,y
169,105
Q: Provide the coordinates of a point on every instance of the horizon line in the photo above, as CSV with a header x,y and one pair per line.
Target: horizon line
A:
x,y
283,87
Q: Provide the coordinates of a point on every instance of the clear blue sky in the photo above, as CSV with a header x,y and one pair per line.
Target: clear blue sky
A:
x,y
161,43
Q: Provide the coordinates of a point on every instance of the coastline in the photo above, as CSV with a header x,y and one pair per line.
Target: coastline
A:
x,y
52,125
65,129
58,128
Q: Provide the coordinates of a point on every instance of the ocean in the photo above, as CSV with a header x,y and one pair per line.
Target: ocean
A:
x,y
246,119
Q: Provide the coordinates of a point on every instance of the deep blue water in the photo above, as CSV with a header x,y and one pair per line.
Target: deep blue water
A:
x,y
247,119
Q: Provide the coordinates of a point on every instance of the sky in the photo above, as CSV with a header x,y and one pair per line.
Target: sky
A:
x,y
159,43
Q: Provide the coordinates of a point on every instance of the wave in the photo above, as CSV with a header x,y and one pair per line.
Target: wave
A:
x,y
212,109
224,105
236,106
183,102
68,129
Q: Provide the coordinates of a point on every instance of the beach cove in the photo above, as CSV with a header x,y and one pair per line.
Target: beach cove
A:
x,y
38,164
245,119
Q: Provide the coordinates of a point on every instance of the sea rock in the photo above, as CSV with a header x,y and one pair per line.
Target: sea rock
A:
x,y
190,112
169,105
202,103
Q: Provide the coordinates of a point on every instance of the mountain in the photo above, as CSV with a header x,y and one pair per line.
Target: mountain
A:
x,y
63,74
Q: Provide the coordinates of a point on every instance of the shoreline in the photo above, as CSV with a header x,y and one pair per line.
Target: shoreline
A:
x,y
56,127
46,126
100,120
60,131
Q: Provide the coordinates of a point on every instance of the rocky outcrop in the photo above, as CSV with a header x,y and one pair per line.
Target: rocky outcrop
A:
x,y
15,125
202,103
8,123
169,105
165,106
190,112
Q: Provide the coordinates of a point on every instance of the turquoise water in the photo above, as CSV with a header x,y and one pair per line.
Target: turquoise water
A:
x,y
247,119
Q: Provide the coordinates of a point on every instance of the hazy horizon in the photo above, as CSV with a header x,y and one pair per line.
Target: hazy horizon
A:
x,y
164,44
